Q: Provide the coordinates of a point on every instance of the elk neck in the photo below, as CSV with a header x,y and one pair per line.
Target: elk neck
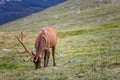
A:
x,y
41,43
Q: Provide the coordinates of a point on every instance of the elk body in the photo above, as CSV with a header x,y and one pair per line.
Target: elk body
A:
x,y
46,39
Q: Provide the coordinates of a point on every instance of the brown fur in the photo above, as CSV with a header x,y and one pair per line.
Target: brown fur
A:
x,y
46,39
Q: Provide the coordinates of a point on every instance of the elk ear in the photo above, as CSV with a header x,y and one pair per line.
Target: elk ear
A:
x,y
36,59
32,53
40,56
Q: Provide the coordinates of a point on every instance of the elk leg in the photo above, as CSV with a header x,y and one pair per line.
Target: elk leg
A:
x,y
45,58
53,54
48,55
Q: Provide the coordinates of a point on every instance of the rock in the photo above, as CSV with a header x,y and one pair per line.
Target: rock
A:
x,y
6,50
41,79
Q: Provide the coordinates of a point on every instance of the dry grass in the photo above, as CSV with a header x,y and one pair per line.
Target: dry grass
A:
x,y
87,49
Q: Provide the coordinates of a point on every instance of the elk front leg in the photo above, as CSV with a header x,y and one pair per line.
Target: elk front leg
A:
x,y
53,54
48,55
45,58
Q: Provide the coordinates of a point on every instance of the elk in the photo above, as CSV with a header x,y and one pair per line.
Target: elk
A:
x,y
45,40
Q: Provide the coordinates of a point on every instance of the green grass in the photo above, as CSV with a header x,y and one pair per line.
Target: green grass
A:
x,y
93,54
87,30
87,49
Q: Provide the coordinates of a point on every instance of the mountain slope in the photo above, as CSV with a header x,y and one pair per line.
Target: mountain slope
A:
x,y
66,14
87,47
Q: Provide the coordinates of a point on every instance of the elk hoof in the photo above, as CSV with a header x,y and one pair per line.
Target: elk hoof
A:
x,y
54,64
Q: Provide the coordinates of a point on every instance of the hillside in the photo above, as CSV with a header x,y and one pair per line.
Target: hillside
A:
x,y
70,12
87,48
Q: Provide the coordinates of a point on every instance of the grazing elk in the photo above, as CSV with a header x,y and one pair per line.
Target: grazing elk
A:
x,y
46,39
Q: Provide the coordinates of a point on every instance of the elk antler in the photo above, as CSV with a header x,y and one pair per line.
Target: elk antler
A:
x,y
20,39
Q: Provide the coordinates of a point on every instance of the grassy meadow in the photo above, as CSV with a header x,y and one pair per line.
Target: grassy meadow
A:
x,y
88,46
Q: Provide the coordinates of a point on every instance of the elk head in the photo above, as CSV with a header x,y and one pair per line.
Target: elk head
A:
x,y
31,57
37,62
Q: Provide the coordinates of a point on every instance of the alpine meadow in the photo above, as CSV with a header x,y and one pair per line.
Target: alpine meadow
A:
x,y
88,45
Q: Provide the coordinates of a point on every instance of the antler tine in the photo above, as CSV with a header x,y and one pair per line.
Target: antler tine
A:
x,y
20,40
28,58
22,43
22,34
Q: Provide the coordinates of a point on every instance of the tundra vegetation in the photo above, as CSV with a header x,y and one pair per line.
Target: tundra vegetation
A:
x,y
88,47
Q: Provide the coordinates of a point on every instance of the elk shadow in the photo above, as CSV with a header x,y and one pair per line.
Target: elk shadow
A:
x,y
12,10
